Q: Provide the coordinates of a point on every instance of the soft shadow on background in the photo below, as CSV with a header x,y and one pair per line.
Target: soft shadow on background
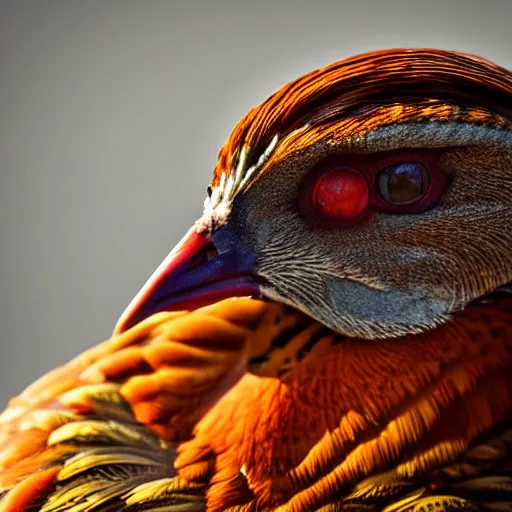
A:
x,y
111,117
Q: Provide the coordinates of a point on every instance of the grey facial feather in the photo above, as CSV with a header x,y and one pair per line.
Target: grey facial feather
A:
x,y
393,274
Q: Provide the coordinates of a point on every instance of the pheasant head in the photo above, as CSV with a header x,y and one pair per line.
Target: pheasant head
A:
x,y
374,195
373,198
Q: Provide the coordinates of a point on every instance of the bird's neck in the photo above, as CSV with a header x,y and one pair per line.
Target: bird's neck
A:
x,y
359,408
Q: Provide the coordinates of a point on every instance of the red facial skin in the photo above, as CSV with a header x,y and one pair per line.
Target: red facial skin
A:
x,y
342,191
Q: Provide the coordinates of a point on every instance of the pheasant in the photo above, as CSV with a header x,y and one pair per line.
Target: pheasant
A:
x,y
333,334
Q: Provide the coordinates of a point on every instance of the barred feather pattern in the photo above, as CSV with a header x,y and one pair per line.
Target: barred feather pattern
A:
x,y
78,440
101,460
360,425
100,433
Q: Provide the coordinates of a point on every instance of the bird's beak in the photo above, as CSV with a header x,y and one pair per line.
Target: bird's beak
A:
x,y
194,274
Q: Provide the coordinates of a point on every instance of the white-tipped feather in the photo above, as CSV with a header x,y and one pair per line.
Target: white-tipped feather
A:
x,y
217,204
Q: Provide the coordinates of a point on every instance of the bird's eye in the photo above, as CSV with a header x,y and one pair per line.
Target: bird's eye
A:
x,y
403,183
341,194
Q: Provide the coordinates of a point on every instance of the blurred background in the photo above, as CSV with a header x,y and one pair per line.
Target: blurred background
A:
x,y
111,117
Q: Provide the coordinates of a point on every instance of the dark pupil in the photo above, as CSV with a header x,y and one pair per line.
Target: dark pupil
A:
x,y
402,183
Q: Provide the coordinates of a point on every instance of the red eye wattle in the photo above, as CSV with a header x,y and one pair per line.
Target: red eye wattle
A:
x,y
341,194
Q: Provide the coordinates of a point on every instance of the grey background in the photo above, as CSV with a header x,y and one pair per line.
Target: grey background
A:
x,y
111,117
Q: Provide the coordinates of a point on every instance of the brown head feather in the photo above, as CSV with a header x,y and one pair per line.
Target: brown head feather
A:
x,y
387,77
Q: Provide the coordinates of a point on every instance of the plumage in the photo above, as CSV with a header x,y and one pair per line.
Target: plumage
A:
x,y
334,333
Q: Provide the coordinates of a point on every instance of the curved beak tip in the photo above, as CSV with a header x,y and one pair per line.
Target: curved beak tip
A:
x,y
194,274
